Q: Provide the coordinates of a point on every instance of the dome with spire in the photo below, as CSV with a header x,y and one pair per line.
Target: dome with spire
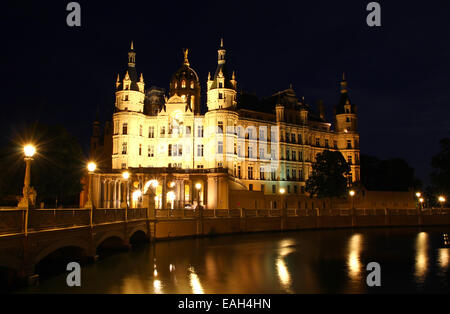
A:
x,y
185,82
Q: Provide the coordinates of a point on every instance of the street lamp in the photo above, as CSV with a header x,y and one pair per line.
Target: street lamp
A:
x,y
441,200
282,191
29,151
91,168
418,194
126,176
421,200
352,194
198,186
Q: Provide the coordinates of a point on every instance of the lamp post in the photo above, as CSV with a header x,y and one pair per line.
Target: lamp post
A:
x,y
198,187
29,151
441,200
91,168
421,200
352,195
126,176
283,209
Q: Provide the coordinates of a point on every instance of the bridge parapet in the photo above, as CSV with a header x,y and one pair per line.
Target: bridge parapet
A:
x,y
43,219
11,220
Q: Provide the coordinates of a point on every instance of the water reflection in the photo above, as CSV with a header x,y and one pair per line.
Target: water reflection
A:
x,y
421,257
195,282
282,269
353,259
317,261
444,258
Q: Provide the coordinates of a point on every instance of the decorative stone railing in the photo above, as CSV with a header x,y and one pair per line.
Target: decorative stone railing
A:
x,y
12,220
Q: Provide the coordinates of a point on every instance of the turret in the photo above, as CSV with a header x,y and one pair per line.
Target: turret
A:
x,y
345,111
130,91
221,92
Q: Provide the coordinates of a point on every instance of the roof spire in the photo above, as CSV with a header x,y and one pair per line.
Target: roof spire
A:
x,y
132,46
186,61
344,84
221,42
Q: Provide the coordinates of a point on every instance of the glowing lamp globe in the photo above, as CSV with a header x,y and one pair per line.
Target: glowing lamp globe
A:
x,y
198,186
352,193
126,175
29,150
282,190
92,166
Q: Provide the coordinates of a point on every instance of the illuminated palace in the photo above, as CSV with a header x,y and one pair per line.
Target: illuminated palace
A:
x,y
239,153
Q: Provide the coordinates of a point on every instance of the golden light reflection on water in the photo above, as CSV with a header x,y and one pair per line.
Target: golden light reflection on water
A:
x,y
282,269
353,259
444,258
195,282
421,259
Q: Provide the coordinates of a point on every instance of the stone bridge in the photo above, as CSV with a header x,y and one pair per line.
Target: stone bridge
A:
x,y
86,232
50,230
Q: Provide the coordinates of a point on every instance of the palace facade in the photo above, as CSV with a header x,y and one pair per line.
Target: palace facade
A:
x,y
234,148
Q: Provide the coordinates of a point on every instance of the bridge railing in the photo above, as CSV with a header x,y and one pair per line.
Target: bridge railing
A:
x,y
11,220
41,219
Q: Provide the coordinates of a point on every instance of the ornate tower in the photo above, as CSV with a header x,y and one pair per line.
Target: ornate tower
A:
x,y
130,91
185,83
347,131
221,92
127,119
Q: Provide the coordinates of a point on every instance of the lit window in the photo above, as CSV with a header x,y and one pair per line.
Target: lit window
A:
x,y
183,84
125,129
192,85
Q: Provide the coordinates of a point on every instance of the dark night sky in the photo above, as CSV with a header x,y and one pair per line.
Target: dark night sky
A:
x,y
398,74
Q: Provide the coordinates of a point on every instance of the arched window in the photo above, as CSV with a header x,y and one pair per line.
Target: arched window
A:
x,y
183,84
192,84
176,85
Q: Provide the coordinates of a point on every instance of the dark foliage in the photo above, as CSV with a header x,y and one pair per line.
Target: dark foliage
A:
x,y
56,169
329,176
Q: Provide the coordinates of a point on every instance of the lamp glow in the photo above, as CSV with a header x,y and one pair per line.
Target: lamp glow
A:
x,y
125,175
352,193
418,194
198,186
136,194
29,150
92,166
282,191
421,200
441,199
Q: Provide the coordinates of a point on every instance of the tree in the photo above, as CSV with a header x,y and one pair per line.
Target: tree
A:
x,y
441,169
387,175
56,170
329,175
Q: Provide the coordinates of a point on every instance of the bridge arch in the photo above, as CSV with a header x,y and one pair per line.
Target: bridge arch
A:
x,y
59,244
110,234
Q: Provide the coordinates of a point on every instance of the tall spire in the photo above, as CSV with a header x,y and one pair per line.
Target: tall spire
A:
x,y
344,89
132,56
221,53
186,61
